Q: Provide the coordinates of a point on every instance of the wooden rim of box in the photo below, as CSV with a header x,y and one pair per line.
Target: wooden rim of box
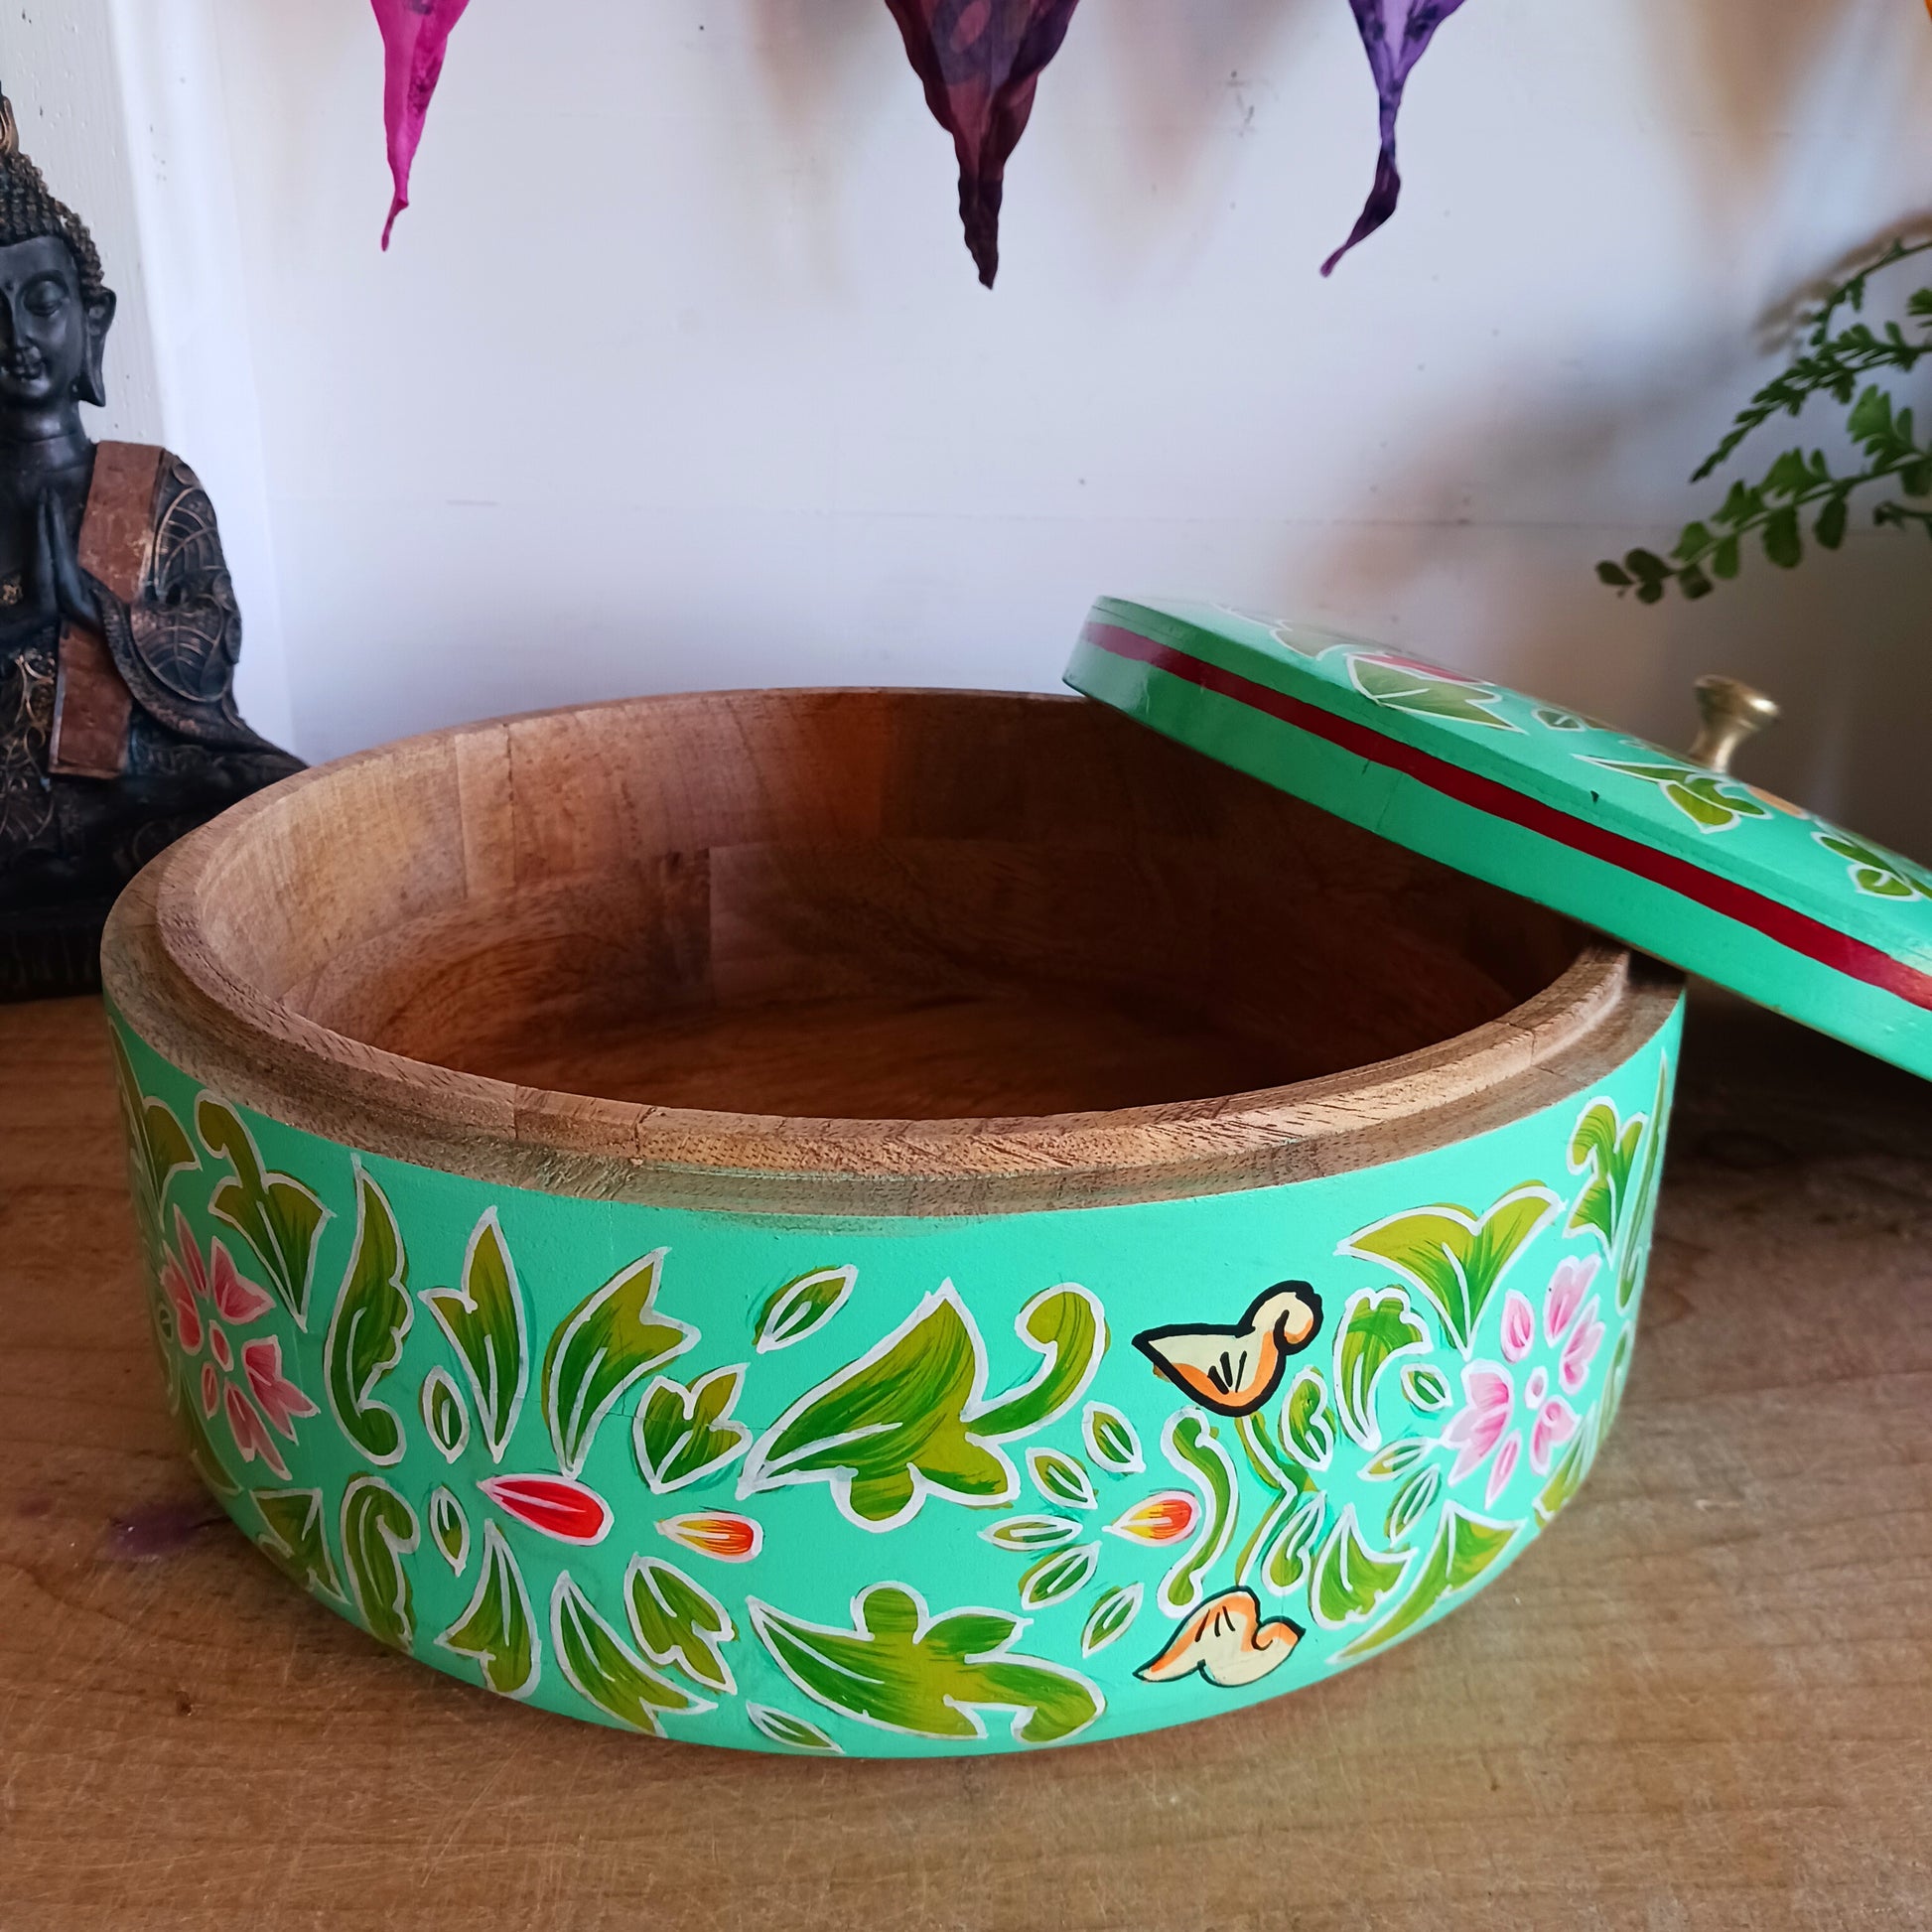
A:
x,y
178,993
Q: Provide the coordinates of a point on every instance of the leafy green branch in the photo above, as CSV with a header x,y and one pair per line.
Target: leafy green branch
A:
x,y
1800,488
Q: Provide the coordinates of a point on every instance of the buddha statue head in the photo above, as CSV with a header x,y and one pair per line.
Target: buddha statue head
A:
x,y
54,308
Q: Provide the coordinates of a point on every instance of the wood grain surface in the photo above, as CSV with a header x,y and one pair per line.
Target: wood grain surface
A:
x,y
871,952
1702,1699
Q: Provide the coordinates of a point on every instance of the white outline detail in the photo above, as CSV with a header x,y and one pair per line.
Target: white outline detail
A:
x,y
496,1546
404,1610
1136,1462
442,1496
765,1716
772,1318
687,1396
1134,1593
671,1528
460,1300
318,1515
694,1707
1313,1371
1044,1457
299,1314
440,1378
1085,1554
1216,1536
365,1402
757,1612
494,1486
1345,1522
641,1570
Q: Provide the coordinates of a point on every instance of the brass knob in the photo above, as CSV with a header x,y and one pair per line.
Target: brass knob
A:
x,y
1731,712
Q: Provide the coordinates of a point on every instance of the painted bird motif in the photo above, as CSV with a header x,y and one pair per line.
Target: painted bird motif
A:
x,y
1233,1370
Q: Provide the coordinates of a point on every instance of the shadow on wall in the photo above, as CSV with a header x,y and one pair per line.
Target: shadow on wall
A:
x,y
1843,638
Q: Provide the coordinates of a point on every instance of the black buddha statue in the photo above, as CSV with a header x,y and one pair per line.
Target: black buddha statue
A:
x,y
118,625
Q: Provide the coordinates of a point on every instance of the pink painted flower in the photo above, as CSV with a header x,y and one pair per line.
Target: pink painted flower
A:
x,y
209,1295
1502,1406
275,1395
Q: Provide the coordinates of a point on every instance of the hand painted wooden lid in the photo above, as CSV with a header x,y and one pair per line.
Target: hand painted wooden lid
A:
x,y
1669,853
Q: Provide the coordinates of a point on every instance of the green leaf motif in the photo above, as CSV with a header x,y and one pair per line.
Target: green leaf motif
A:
x,y
1425,692
1377,1328
485,1326
449,1530
379,1529
604,1671
1111,1441
1289,1554
1351,1580
497,1630
1307,1421
444,1413
1413,1501
1060,1478
802,1307
1052,1580
1453,1257
1876,874
295,1539
1567,1476
902,1669
366,1332
280,1218
158,1144
1466,1547
683,1435
1192,1446
1552,717
1606,1147
680,1623
1112,1617
1425,1389
1636,1245
781,1727
186,1403
1030,1534
1397,1459
1712,803
910,1417
609,1341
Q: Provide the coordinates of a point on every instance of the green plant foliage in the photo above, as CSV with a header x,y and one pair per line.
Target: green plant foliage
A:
x,y
609,1341
1606,1147
802,1307
1643,1209
1308,1421
603,1669
1112,1617
1350,1579
1465,1549
1413,1501
1053,1578
781,1727
910,1417
1192,1446
1290,1556
1877,874
1402,686
1031,1534
679,1623
1710,802
444,1415
449,1530
1111,1441
294,1538
158,1144
1802,488
1453,1257
1060,1478
497,1630
681,1436
904,1669
1425,1389
379,1529
185,1401
280,1218
485,1322
366,1331
1377,1327
1401,1455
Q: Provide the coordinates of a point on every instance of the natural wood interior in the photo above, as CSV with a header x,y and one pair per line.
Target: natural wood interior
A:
x,y
899,905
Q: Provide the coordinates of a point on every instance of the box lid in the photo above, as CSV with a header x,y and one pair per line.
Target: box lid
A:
x,y
1666,851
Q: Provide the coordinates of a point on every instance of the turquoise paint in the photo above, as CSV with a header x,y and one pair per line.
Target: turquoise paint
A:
x,y
1151,1266
1779,853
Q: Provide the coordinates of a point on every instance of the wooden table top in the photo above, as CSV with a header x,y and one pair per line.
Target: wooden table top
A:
x,y
1702,1699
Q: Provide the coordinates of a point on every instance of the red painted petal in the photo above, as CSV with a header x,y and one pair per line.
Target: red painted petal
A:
x,y
415,34
715,1533
553,1504
979,62
238,1300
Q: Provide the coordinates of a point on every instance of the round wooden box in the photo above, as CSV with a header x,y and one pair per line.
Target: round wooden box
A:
x,y
875,1222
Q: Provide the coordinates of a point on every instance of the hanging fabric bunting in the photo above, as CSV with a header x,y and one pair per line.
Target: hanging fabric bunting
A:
x,y
1396,34
414,35
980,61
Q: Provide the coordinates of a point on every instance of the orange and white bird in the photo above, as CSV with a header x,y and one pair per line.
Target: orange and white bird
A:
x,y
1234,1370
